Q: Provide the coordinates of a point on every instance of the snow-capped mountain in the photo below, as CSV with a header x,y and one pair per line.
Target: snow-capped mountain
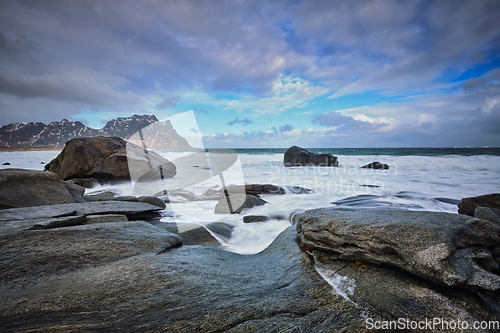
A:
x,y
55,134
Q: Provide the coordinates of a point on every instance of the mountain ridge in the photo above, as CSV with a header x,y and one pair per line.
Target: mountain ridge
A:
x,y
57,133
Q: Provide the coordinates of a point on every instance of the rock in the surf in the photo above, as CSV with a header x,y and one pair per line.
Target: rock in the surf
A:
x,y
6,163
191,233
255,218
468,205
296,156
440,247
237,203
85,182
105,159
255,189
153,201
376,165
25,188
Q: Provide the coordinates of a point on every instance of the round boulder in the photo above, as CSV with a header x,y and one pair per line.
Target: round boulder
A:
x,y
25,188
102,158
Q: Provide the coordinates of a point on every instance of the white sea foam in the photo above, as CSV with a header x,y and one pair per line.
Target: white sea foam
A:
x,y
412,182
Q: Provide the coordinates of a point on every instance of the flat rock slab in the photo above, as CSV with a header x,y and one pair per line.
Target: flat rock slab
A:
x,y
186,289
34,255
49,223
448,249
87,208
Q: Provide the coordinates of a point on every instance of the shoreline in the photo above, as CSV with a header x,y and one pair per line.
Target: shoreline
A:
x,y
28,149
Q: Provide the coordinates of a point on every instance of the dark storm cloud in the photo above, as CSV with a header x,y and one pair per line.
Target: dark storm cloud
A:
x,y
113,52
60,57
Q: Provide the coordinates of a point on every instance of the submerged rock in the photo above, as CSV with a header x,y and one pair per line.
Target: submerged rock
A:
x,y
182,195
256,189
296,156
440,247
376,165
85,182
25,188
298,190
468,205
255,218
237,203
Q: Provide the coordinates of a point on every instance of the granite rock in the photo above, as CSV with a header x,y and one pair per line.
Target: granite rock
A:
x,y
448,249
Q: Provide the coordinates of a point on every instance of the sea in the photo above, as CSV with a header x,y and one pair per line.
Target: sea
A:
x,y
426,179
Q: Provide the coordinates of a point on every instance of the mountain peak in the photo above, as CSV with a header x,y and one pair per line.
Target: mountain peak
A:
x,y
55,134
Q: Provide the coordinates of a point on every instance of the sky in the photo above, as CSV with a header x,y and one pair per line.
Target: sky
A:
x,y
261,73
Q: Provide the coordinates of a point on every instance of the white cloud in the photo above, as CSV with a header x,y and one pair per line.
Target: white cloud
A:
x,y
489,104
287,93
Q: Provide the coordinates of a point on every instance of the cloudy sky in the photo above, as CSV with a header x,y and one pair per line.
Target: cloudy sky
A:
x,y
261,73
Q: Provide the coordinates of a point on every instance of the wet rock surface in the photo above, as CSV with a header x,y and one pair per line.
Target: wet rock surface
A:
x,y
191,233
86,267
88,208
183,289
448,249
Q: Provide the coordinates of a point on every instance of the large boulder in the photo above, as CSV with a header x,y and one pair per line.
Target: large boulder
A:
x,y
236,203
449,249
25,188
468,205
296,156
105,159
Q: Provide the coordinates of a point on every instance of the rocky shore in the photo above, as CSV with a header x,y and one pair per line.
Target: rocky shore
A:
x,y
70,262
